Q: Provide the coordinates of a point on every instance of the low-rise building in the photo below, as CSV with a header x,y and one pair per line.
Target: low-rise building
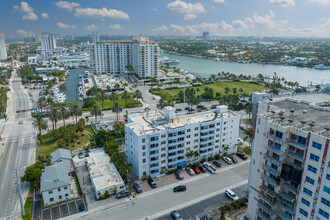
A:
x,y
103,174
160,141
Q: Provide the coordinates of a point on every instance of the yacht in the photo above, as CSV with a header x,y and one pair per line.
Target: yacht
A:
x,y
56,95
166,60
321,67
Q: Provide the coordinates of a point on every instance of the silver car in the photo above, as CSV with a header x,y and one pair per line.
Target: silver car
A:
x,y
227,160
190,171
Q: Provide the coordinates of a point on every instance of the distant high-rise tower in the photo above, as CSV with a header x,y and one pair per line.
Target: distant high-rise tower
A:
x,y
206,35
48,43
3,52
95,37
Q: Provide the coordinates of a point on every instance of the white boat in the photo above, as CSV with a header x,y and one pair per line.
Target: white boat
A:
x,y
81,93
56,95
166,60
321,67
86,72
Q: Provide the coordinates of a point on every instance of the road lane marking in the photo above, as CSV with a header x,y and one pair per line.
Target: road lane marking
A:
x,y
243,172
149,99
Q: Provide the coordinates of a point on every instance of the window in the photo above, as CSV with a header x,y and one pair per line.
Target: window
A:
x,y
279,134
195,141
196,134
304,201
316,145
325,202
163,148
326,189
324,213
144,153
66,195
309,180
312,169
163,155
122,187
163,135
60,197
301,140
196,129
314,157
188,130
59,189
144,160
65,187
143,140
188,136
188,142
50,191
307,191
303,212
163,142
163,161
143,147
51,199
273,166
328,177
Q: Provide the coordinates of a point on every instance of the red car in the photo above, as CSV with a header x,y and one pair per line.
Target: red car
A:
x,y
196,169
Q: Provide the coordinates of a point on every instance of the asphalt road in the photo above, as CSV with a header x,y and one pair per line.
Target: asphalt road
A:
x,y
19,150
162,201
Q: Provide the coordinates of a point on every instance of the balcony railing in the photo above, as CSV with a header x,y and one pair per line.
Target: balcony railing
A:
x,y
272,160
261,215
269,180
286,196
275,150
283,215
297,156
290,188
271,170
297,145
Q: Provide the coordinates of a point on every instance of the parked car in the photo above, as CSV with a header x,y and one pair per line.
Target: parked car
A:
x,y
217,163
187,108
20,122
208,167
176,216
242,155
81,155
231,194
137,188
122,194
190,171
178,175
191,109
203,169
178,109
233,158
227,160
147,109
196,169
81,207
200,106
179,189
152,183
213,106
87,154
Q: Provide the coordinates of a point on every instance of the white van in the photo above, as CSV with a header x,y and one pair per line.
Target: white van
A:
x,y
231,194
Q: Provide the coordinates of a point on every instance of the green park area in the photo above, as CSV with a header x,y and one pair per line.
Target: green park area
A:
x,y
243,88
70,140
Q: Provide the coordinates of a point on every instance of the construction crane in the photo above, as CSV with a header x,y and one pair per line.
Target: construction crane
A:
x,y
276,77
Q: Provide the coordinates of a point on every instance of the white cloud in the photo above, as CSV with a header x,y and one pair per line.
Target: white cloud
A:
x,y
161,28
282,3
220,1
65,26
185,8
267,20
177,28
322,2
67,5
44,15
26,11
91,27
100,13
239,24
155,9
190,17
116,26
23,33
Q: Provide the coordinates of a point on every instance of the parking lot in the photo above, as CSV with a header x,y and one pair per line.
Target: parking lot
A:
x,y
58,211
170,179
208,207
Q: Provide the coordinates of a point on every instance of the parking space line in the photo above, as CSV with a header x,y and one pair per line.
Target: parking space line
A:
x,y
243,172
67,204
75,202
59,208
51,216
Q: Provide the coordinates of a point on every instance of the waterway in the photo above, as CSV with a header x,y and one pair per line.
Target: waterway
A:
x,y
70,87
205,68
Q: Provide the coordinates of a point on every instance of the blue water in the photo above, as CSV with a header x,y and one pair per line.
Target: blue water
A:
x,y
70,88
205,68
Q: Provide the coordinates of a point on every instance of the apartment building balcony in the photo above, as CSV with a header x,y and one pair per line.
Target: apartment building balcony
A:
x,y
154,155
262,215
206,141
297,145
289,187
207,135
204,153
156,168
275,150
172,161
269,180
283,215
271,170
296,155
267,199
275,139
177,136
176,143
286,196
172,149
268,192
272,160
154,148
287,207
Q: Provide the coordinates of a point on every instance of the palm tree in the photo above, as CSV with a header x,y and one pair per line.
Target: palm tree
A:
x,y
113,97
55,116
248,109
227,90
124,169
249,135
161,104
40,124
64,113
76,111
137,95
126,96
102,96
116,108
41,103
95,111
241,91
234,90
189,154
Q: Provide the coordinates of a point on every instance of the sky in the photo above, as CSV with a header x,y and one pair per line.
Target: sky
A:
x,y
277,18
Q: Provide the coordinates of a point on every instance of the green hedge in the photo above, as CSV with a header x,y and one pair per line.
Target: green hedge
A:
x,y
172,171
77,184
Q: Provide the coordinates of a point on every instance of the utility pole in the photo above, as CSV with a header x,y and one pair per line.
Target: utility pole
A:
x,y
20,193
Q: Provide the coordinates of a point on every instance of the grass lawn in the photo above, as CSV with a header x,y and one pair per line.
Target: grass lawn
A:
x,y
48,145
218,87
28,208
246,150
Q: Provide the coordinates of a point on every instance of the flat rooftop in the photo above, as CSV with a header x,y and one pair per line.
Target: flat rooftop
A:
x,y
153,122
307,112
103,173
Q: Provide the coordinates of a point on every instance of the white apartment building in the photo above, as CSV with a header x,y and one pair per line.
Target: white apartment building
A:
x,y
3,52
290,169
114,56
159,141
48,43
